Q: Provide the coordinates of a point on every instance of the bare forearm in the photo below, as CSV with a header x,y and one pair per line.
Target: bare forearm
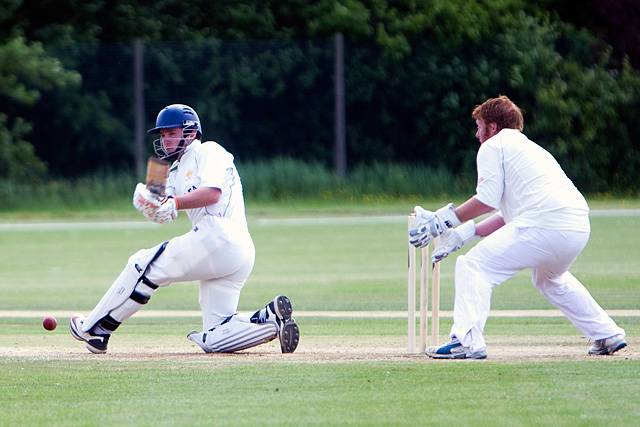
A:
x,y
489,225
472,209
198,198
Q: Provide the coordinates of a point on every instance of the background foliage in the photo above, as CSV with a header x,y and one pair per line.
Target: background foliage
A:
x,y
260,74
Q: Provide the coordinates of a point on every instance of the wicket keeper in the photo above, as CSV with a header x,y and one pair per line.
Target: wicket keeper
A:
x,y
540,221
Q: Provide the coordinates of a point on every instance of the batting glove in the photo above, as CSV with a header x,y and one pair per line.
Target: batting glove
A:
x,y
166,212
144,200
154,208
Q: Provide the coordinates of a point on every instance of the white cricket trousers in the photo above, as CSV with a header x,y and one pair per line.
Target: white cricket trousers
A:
x,y
503,254
217,256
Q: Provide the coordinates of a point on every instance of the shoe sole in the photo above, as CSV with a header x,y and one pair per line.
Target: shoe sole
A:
x,y
283,307
75,334
289,336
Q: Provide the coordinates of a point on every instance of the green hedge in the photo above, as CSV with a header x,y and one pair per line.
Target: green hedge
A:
x,y
279,179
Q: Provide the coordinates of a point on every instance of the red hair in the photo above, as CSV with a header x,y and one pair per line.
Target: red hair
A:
x,y
501,111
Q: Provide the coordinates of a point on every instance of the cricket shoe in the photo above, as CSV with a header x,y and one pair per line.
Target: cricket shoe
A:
x,y
289,336
609,345
455,350
95,343
276,310
279,312
288,331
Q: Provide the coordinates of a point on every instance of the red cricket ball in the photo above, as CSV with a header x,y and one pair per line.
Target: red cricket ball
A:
x,y
49,323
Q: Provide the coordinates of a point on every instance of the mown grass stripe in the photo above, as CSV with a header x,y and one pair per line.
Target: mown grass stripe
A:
x,y
306,221
384,314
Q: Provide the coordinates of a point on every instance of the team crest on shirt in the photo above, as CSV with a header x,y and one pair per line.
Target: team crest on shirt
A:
x,y
189,174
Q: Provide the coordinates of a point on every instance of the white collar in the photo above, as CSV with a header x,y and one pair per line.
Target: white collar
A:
x,y
195,143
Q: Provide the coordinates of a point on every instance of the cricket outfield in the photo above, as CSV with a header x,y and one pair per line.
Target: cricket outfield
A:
x,y
347,279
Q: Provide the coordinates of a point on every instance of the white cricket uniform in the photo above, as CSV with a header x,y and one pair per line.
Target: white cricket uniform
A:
x,y
218,250
546,228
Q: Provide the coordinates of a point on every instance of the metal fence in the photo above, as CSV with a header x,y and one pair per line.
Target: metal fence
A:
x,y
259,98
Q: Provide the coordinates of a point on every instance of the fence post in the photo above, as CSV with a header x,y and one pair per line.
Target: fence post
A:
x,y
138,107
340,146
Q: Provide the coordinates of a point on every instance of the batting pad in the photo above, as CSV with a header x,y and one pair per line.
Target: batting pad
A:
x,y
235,335
128,292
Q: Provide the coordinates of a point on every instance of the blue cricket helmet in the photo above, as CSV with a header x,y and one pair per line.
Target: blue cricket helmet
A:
x,y
175,116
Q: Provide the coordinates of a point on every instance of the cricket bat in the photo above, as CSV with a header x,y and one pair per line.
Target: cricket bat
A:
x,y
157,175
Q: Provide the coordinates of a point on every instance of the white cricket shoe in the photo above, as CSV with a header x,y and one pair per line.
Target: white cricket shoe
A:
x,y
608,346
288,331
278,311
455,350
95,343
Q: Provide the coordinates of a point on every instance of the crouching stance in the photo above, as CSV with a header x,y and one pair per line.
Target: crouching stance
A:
x,y
542,223
218,250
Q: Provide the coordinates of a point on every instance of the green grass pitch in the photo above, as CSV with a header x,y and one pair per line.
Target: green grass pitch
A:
x,y
347,370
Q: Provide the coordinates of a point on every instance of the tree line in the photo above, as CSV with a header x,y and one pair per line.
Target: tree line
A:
x,y
259,73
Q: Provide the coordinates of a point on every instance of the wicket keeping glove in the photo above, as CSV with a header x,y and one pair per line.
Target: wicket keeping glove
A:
x,y
452,240
430,225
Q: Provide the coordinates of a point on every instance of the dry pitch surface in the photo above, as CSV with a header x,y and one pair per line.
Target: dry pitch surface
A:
x,y
59,345
311,350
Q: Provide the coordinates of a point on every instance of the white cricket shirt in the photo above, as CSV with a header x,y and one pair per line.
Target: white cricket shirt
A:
x,y
528,185
208,164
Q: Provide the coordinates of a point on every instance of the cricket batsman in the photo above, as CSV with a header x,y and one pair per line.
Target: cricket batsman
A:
x,y
540,221
217,251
